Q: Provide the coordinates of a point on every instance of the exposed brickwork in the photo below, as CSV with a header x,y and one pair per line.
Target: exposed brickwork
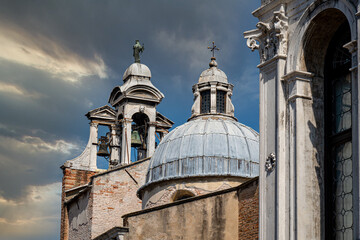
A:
x,y
113,194
71,178
249,213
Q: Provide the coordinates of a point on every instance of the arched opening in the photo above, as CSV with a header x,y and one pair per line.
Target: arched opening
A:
x,y
317,39
139,133
338,146
182,194
325,57
103,149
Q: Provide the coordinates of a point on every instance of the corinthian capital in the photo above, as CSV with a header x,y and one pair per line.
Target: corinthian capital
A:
x,y
269,38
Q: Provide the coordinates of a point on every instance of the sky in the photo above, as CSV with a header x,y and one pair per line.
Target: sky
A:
x,y
61,59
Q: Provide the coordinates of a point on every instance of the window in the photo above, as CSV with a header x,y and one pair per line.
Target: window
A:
x,y
182,194
338,144
205,101
220,101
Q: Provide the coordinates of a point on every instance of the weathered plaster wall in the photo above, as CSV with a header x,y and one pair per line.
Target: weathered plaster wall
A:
x,y
71,178
79,213
164,192
212,216
114,194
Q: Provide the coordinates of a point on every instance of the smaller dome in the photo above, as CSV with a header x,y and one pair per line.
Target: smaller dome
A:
x,y
213,74
137,69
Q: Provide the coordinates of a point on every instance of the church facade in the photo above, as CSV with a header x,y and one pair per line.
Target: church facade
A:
x,y
309,118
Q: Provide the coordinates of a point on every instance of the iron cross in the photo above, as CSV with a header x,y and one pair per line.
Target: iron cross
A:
x,y
213,48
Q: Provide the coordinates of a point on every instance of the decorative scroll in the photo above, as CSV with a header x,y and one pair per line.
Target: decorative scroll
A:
x,y
269,38
270,162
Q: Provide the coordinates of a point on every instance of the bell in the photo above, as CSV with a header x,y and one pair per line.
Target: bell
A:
x,y
135,139
103,147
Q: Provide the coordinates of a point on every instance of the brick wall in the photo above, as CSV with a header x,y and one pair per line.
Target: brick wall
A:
x,y
113,194
71,178
249,212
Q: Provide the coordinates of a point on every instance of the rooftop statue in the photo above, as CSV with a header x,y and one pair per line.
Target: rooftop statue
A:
x,y
137,49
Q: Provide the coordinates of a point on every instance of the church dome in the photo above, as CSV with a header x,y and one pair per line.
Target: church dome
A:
x,y
206,147
213,74
137,69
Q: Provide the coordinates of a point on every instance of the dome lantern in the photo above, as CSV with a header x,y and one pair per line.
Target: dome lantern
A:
x,y
212,93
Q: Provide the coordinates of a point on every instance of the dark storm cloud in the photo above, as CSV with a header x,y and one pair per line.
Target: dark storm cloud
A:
x,y
110,27
60,59
174,34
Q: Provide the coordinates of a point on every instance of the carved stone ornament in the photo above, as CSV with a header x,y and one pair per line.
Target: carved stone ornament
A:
x,y
269,38
270,162
142,109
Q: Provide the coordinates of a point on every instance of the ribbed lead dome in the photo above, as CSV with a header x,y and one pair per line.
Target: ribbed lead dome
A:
x,y
206,147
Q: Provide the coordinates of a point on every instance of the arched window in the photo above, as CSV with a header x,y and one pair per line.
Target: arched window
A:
x,y
182,194
205,101
338,139
220,101
139,132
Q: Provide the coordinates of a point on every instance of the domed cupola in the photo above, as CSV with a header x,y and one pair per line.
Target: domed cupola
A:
x,y
212,93
211,152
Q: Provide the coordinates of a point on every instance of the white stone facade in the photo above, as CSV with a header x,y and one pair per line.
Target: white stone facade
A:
x,y
292,38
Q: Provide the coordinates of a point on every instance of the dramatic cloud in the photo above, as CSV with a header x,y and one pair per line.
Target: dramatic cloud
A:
x,y
38,51
17,90
36,216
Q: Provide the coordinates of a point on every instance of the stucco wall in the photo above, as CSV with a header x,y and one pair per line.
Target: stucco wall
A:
x,y
79,217
163,192
114,194
212,216
72,178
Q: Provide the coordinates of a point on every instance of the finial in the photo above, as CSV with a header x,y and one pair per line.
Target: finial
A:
x,y
213,48
213,63
137,49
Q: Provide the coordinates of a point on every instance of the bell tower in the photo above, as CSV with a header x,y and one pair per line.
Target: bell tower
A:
x,y
132,121
135,104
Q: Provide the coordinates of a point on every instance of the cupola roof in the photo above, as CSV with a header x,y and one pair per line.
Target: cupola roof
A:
x,y
213,73
137,69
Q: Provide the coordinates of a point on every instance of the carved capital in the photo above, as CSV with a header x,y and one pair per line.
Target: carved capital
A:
x,y
271,38
94,124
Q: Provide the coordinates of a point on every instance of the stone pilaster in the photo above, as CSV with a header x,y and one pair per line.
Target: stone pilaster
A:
x,y
150,139
115,145
93,146
213,97
126,141
303,175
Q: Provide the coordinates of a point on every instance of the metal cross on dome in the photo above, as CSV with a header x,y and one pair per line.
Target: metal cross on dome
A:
x,y
213,48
